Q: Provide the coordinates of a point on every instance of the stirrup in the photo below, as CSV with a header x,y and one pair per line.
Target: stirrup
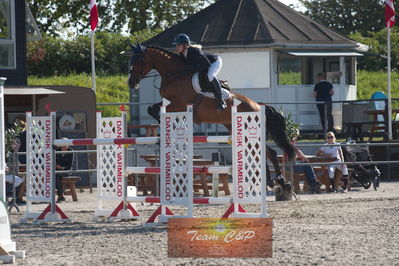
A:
x,y
220,106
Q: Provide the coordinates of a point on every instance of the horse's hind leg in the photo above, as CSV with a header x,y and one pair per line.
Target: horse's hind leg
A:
x,y
272,156
286,188
269,179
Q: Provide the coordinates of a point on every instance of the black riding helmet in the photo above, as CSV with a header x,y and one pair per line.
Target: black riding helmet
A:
x,y
181,39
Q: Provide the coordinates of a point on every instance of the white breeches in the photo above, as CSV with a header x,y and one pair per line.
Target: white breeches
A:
x,y
331,170
214,69
18,180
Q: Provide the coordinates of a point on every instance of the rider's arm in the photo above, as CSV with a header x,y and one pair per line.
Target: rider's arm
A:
x,y
197,60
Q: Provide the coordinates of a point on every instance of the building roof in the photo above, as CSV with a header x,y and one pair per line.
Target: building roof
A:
x,y
29,91
258,23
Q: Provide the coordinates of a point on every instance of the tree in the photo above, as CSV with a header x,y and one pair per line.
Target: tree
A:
x,y
375,59
140,14
54,17
347,16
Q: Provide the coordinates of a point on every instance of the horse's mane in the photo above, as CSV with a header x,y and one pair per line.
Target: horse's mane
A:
x,y
164,52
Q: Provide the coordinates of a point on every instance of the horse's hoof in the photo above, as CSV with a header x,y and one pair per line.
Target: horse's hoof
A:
x,y
284,192
287,187
270,183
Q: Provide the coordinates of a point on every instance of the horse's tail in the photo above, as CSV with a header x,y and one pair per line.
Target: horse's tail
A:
x,y
275,126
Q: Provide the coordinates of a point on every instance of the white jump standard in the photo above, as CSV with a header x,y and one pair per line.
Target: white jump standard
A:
x,y
40,170
111,164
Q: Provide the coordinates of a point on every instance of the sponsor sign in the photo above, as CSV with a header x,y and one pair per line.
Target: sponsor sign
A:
x,y
219,238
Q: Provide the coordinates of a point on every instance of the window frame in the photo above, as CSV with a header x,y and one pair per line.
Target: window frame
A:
x,y
11,41
309,63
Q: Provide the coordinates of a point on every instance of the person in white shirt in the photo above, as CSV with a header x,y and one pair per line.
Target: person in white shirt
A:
x,y
9,178
327,150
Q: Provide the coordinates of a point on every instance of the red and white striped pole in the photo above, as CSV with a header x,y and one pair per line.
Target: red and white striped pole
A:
x,y
137,140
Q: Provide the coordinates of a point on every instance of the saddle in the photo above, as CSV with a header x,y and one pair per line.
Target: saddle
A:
x,y
206,86
202,87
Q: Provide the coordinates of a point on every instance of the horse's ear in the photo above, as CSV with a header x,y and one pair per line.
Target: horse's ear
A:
x,y
140,47
132,46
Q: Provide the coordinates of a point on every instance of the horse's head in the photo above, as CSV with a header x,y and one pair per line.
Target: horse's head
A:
x,y
138,67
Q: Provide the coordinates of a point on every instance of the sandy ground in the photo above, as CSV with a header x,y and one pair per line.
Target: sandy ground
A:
x,y
359,227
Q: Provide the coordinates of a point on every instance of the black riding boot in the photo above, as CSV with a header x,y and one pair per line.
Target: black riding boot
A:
x,y
217,91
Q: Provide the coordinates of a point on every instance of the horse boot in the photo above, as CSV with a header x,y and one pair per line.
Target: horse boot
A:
x,y
284,190
217,91
155,111
269,179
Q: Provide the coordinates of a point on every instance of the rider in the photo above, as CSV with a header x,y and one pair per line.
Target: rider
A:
x,y
199,61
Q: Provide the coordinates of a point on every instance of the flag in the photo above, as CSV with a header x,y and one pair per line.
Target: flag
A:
x,y
93,14
389,13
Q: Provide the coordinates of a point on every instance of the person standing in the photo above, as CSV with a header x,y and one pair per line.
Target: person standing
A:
x,y
22,139
323,92
63,162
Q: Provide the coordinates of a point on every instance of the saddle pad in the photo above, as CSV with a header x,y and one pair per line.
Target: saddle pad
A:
x,y
197,88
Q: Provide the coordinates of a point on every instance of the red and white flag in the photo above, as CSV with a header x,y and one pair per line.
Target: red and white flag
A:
x,y
389,13
93,14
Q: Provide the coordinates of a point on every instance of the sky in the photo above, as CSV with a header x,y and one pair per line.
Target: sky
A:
x,y
296,4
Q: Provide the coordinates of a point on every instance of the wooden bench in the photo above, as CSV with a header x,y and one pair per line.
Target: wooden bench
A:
x,y
322,177
203,182
68,184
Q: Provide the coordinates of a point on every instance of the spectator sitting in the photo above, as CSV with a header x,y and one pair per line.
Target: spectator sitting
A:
x,y
18,182
334,151
63,162
305,169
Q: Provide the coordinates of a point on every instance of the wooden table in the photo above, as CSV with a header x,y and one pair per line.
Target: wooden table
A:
x,y
148,181
150,129
379,125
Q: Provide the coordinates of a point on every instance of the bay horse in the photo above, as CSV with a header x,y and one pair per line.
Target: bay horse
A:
x,y
176,86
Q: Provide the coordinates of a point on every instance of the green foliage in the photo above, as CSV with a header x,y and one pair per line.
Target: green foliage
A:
x,y
289,78
291,127
53,17
347,16
54,56
110,89
11,137
377,41
370,82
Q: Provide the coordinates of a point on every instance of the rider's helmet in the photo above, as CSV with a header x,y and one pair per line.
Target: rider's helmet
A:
x,y
181,39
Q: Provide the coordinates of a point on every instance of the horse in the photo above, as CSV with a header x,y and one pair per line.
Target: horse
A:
x,y
176,86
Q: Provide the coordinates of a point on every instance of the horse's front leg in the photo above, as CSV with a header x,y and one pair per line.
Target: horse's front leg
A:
x,y
286,190
272,156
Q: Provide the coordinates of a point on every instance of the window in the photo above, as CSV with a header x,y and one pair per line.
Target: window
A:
x,y
303,70
289,70
7,34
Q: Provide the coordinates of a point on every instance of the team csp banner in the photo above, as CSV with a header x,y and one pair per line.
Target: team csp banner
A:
x,y
220,238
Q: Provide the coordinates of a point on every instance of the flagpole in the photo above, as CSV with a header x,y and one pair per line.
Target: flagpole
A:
x,y
389,85
93,67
